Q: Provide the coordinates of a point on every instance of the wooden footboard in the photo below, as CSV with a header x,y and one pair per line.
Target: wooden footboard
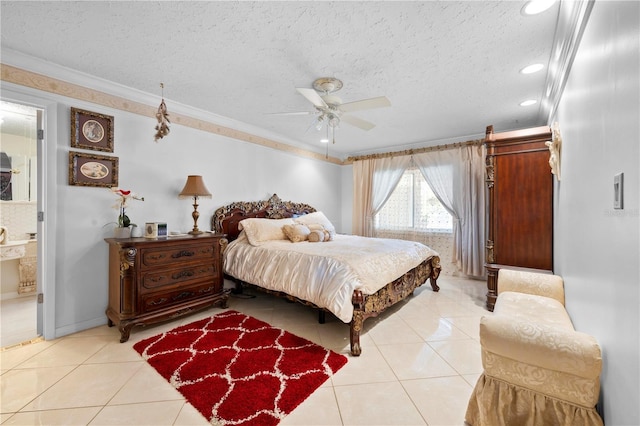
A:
x,y
366,306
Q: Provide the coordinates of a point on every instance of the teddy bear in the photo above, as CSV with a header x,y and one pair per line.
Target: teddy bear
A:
x,y
318,234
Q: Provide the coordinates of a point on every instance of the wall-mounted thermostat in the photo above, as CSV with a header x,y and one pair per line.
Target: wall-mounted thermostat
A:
x,y
155,229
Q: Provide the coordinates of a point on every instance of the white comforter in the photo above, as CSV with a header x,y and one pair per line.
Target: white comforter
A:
x,y
325,273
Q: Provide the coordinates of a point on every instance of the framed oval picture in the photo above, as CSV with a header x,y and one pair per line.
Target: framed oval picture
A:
x,y
92,170
91,130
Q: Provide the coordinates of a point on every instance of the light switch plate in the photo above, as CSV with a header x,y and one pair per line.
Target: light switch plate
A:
x,y
618,193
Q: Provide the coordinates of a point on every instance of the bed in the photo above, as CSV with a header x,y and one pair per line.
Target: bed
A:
x,y
352,277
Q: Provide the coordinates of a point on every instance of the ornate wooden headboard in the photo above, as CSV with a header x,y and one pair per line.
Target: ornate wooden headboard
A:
x,y
225,220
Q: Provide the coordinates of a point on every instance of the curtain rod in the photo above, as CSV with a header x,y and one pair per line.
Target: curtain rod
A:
x,y
414,151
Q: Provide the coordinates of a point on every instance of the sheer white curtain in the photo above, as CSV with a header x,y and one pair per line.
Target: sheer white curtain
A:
x,y
414,213
374,180
456,177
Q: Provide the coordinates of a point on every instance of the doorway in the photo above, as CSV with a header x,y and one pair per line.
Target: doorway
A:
x,y
21,132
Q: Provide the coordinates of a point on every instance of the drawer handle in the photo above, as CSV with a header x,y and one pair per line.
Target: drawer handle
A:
x,y
159,256
182,274
158,301
183,295
206,290
182,253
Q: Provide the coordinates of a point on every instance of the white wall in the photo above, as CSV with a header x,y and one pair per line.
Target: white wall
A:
x,y
597,247
233,171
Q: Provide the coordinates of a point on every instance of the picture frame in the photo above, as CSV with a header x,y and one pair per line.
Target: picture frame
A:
x,y
91,130
92,170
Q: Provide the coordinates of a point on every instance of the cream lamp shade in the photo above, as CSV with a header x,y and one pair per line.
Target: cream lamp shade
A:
x,y
195,187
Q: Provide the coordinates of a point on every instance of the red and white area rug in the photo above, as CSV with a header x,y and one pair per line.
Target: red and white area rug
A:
x,y
238,370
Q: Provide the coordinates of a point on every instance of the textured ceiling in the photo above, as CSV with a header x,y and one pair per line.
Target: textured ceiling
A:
x,y
449,68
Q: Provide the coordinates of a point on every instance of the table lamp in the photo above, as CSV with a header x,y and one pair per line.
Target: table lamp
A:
x,y
195,188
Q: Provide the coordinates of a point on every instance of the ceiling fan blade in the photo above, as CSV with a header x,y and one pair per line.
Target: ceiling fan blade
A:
x,y
358,122
379,102
313,97
291,113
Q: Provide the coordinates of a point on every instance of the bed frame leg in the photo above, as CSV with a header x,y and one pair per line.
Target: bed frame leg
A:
x,y
356,327
435,273
434,284
321,317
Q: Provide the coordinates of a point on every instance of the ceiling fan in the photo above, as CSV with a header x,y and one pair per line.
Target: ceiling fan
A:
x,y
330,110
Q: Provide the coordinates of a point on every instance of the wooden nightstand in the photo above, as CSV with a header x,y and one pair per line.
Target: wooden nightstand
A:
x,y
153,280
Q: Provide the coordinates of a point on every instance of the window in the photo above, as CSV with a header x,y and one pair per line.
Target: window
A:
x,y
413,207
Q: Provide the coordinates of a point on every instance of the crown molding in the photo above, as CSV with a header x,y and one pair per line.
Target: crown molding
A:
x,y
572,21
24,70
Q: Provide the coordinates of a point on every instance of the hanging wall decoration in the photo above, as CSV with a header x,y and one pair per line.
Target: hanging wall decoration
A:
x,y
90,130
162,128
555,150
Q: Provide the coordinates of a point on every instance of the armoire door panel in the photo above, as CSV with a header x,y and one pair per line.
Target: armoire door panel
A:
x,y
523,223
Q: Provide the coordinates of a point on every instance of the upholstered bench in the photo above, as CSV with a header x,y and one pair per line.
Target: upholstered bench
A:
x,y
537,369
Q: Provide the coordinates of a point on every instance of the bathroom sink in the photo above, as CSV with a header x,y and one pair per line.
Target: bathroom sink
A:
x,y
13,249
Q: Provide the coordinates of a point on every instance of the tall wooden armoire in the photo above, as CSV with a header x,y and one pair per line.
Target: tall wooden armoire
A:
x,y
520,203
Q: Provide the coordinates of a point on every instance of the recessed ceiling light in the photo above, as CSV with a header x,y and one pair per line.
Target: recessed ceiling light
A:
x,y
533,7
528,102
324,140
531,69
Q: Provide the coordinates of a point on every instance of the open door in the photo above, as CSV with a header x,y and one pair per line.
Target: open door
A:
x,y
39,179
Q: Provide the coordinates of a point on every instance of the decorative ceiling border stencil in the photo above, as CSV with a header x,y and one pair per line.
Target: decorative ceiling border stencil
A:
x,y
37,81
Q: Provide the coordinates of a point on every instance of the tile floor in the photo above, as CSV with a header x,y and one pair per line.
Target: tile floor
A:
x,y
418,366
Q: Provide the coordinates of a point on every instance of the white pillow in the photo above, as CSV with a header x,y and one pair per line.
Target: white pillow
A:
x,y
259,231
316,218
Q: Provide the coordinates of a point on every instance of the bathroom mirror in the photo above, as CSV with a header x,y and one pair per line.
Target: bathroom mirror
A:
x,y
18,152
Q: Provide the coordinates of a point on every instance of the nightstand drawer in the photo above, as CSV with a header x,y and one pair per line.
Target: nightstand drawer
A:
x,y
161,300
156,280
154,257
